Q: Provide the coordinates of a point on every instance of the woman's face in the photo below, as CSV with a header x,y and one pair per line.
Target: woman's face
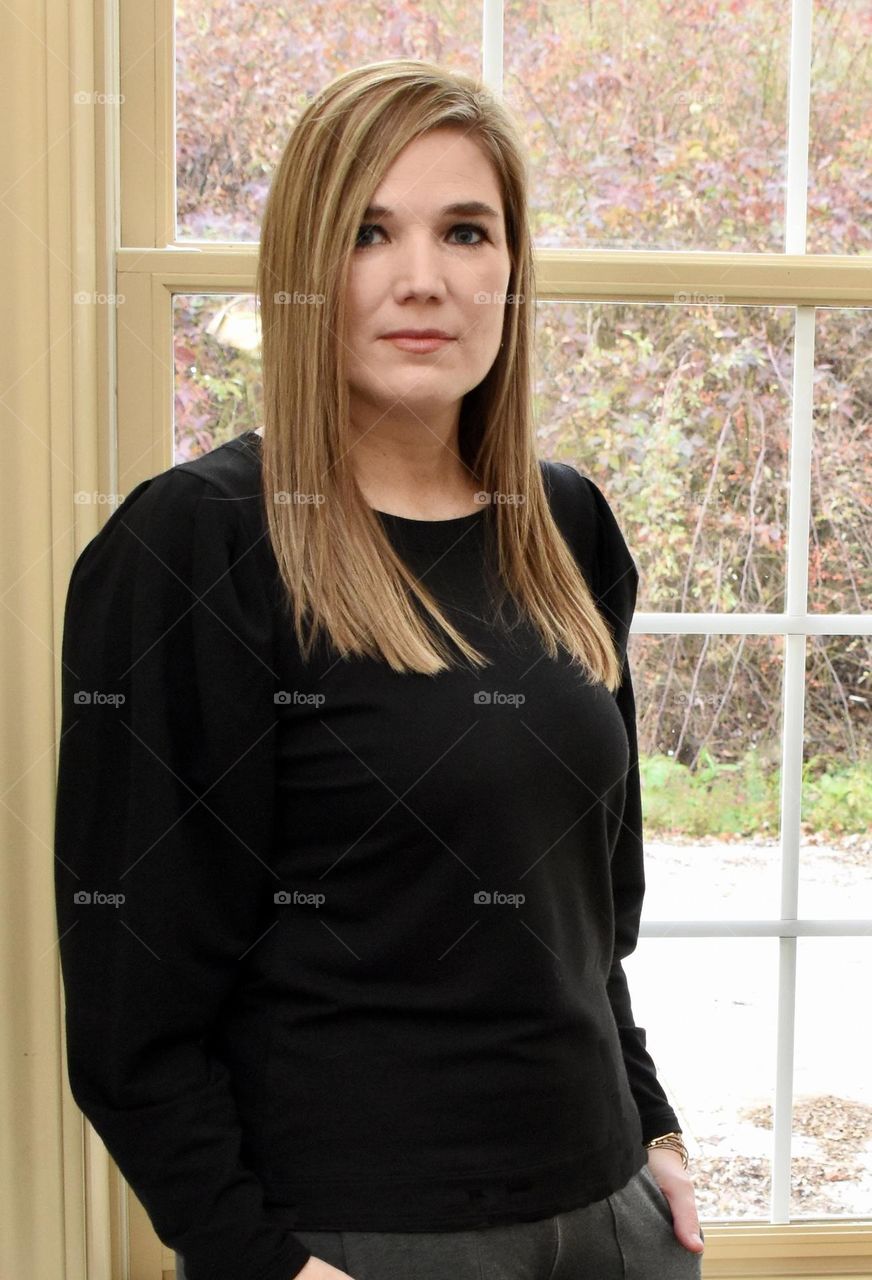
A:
x,y
416,266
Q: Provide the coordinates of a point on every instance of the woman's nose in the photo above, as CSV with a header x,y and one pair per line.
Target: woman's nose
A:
x,y
420,266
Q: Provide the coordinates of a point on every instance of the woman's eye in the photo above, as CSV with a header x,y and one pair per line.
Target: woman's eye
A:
x,y
472,226
369,227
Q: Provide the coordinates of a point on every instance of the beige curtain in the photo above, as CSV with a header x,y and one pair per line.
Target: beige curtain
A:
x,y
54,434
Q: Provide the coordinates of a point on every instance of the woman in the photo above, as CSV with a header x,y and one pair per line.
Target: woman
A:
x,y
348,820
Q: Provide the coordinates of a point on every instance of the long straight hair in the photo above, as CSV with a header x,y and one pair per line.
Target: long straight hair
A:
x,y
342,576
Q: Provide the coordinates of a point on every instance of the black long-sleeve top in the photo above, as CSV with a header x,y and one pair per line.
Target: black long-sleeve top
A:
x,y
342,947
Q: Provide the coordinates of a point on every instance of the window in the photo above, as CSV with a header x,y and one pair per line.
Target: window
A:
x,y
705,316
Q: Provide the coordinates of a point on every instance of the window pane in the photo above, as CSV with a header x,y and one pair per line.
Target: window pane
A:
x,y
653,126
709,725
835,870
841,104
216,353
683,412
244,73
831,1166
840,553
703,1002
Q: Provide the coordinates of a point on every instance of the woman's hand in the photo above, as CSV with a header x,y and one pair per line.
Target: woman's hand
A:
x,y
675,1182
318,1269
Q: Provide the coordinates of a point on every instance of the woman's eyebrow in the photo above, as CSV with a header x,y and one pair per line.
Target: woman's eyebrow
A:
x,y
463,209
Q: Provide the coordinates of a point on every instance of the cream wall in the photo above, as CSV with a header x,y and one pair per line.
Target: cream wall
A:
x,y
52,429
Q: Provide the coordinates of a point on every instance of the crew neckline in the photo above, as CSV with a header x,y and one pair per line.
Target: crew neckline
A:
x,y
410,520
389,515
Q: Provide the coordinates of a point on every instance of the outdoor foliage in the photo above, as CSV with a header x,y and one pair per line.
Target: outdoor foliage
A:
x,y
642,133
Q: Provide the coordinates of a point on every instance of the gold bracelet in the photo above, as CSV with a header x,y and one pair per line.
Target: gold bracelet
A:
x,y
673,1142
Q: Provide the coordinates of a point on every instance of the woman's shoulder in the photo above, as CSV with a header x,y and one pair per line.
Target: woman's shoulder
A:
x,y
575,490
570,495
206,506
227,476
233,468
588,522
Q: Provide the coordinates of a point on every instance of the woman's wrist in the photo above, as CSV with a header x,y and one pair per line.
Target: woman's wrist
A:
x,y
671,1141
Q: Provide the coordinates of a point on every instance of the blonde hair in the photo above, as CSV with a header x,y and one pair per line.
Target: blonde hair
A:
x,y
337,563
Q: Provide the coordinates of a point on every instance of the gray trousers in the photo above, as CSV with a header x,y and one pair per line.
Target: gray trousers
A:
x,y
627,1236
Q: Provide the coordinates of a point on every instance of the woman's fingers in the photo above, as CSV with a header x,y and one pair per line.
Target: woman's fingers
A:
x,y
677,1186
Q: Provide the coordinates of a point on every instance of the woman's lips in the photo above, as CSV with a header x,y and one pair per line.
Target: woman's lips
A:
x,y
420,345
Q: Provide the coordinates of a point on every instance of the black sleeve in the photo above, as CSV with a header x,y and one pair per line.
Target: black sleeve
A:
x,y
617,580
163,839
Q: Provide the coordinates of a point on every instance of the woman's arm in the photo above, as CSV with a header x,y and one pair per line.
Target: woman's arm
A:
x,y
616,582
163,837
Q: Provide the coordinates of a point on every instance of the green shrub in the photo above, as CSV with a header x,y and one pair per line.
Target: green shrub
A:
x,y
744,798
